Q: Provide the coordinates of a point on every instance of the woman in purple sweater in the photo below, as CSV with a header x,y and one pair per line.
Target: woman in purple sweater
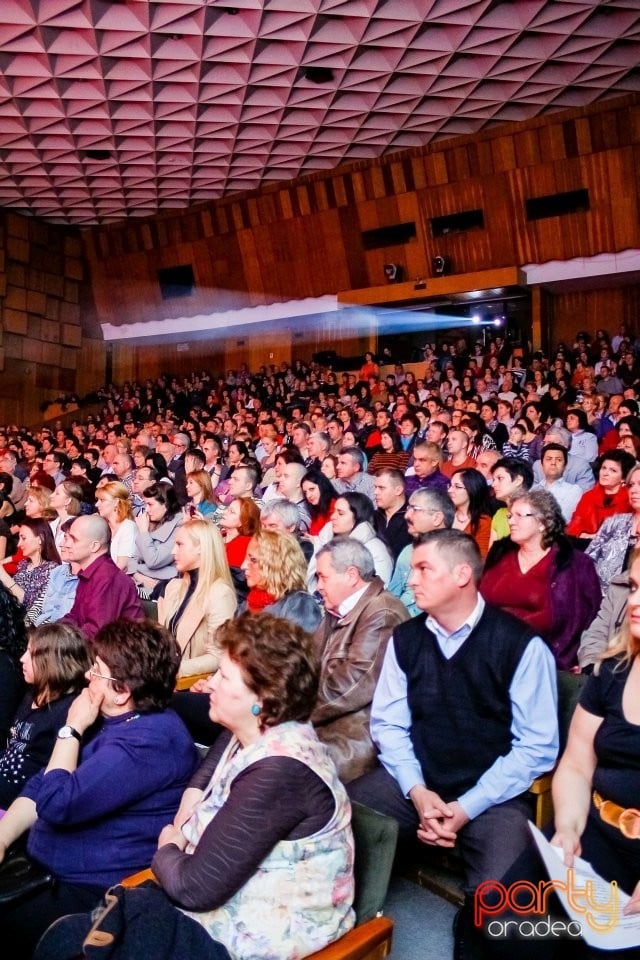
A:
x,y
116,775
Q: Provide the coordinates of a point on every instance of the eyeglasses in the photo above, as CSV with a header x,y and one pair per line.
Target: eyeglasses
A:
x,y
419,509
519,516
457,486
102,676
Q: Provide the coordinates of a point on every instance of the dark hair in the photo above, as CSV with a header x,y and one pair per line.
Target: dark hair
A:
x,y
578,412
60,658
289,454
391,432
632,422
557,447
360,506
478,492
165,494
621,457
142,656
42,530
6,483
516,468
158,463
327,492
278,662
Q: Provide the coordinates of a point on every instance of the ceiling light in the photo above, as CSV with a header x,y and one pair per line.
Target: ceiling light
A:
x,y
318,74
97,154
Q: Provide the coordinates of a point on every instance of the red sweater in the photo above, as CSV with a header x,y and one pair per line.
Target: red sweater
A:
x,y
594,506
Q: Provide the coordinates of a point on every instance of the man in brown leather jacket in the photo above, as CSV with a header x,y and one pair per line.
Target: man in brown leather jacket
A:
x,y
351,641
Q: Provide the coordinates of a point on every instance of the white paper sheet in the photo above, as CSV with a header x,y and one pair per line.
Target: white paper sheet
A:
x,y
589,899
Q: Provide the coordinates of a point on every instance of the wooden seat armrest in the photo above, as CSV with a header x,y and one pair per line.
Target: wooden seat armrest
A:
x,y
542,783
368,941
183,683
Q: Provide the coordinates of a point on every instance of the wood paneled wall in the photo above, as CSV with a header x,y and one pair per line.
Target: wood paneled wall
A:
x,y
304,238
41,287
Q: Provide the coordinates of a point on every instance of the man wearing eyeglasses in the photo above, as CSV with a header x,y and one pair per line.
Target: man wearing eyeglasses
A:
x,y
427,510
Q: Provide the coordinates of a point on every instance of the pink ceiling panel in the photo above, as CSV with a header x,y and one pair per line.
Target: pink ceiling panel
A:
x,y
194,101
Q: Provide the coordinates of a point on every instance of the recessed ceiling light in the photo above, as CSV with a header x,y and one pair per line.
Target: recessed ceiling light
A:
x,y
97,154
318,74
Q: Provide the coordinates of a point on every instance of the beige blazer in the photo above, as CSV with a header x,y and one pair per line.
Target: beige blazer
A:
x,y
198,625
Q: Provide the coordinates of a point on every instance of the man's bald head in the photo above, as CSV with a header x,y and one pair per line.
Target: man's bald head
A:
x,y
88,538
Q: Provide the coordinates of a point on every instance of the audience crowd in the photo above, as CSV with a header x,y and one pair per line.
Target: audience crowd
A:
x,y
493,493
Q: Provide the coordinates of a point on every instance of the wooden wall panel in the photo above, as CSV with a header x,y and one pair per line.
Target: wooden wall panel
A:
x,y
592,309
42,282
304,239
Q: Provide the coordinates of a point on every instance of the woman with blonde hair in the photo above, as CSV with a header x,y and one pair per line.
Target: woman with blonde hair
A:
x,y
276,573
114,506
203,598
37,506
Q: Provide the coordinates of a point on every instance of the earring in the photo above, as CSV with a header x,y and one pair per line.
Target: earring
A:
x,y
256,709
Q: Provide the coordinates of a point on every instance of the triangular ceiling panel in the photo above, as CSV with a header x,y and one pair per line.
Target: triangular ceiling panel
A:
x,y
198,99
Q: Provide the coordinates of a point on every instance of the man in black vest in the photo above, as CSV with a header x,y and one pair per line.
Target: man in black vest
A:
x,y
464,717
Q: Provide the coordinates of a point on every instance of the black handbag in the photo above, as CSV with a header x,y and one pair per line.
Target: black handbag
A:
x,y
20,875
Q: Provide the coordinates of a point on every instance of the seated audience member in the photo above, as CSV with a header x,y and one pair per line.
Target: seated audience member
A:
x,y
203,598
320,497
153,564
553,464
200,493
485,461
438,697
389,517
509,477
13,643
469,493
390,455
614,542
608,497
104,593
289,486
351,475
595,790
584,442
95,812
114,505
282,516
427,475
351,640
427,510
40,557
598,636
213,866
353,516
537,575
515,448
276,571
458,442
54,667
66,500
283,457
238,523
63,583
576,470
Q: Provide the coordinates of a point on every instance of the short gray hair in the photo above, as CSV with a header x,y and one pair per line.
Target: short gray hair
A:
x,y
563,435
436,500
285,509
357,455
322,438
348,552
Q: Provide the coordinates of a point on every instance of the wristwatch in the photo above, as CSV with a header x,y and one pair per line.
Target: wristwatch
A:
x,y
66,732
